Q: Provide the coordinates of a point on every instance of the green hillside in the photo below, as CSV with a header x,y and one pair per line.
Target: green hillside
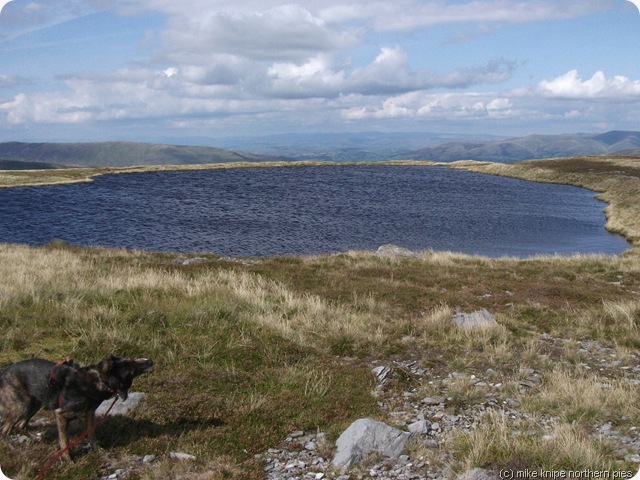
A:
x,y
120,154
26,165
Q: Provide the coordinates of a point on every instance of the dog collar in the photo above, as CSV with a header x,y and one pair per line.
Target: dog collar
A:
x,y
52,372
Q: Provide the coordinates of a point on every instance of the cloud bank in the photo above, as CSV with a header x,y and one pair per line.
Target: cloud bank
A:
x,y
267,61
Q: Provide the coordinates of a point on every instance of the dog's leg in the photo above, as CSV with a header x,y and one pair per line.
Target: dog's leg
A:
x,y
90,418
25,416
7,426
63,422
15,410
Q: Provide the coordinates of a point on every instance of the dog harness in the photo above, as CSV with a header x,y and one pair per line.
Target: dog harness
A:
x,y
52,379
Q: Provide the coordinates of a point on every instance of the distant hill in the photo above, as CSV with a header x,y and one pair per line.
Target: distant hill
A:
x,y
119,154
362,146
532,147
25,165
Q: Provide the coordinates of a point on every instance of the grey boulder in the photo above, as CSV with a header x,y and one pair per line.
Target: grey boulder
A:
x,y
478,319
366,436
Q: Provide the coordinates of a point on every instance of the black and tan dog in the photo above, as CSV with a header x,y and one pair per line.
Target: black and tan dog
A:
x,y
64,387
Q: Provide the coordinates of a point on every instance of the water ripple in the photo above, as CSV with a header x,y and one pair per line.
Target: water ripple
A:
x,y
309,210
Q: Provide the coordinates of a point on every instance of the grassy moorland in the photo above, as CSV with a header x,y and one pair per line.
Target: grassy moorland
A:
x,y
249,352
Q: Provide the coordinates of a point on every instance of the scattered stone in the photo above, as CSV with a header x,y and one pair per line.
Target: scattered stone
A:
x,y
477,474
241,261
368,436
381,373
121,407
181,456
478,319
442,417
192,261
148,459
394,251
421,427
526,383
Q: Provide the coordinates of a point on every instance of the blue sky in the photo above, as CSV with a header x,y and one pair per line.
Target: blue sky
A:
x,y
151,70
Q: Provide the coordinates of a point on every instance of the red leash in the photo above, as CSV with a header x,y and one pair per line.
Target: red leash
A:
x,y
75,441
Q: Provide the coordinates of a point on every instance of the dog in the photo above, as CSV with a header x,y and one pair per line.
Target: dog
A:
x,y
66,388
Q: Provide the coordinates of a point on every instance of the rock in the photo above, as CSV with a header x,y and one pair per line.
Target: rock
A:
x,y
149,459
433,400
192,261
381,373
393,251
367,436
421,427
120,408
242,261
526,383
477,474
181,456
478,319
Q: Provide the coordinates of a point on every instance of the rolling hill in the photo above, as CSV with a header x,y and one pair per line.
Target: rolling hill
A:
x,y
344,147
116,154
531,147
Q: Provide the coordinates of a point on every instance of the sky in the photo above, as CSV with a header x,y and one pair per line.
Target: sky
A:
x,y
159,70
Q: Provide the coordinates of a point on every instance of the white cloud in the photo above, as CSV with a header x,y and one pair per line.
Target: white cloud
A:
x,y
571,85
407,15
263,58
388,73
435,106
288,32
171,72
11,80
400,15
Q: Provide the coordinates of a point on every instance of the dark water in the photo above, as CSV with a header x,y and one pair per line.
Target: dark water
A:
x,y
281,211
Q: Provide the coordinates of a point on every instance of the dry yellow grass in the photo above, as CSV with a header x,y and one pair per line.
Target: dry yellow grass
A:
x,y
585,398
554,449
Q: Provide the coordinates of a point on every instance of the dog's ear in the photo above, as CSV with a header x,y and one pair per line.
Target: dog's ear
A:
x,y
116,359
58,376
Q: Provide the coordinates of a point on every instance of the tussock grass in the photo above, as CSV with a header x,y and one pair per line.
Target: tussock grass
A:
x,y
588,399
562,447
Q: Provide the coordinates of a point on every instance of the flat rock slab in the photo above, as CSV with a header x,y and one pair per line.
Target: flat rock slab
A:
x,y
394,251
366,436
478,319
120,407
